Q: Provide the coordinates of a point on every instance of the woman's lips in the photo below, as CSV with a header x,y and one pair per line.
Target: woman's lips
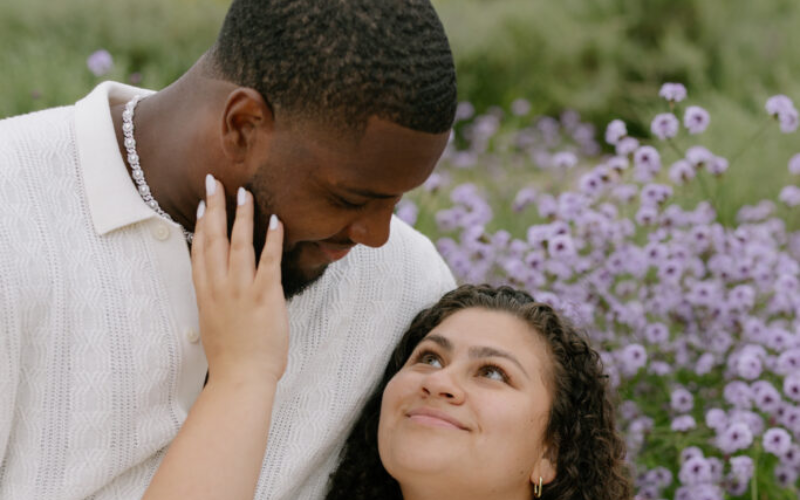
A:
x,y
435,418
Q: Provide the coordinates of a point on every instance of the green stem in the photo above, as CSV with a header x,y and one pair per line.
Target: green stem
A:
x,y
750,141
754,479
675,148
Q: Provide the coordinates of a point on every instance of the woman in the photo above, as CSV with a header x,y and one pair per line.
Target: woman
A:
x,y
488,395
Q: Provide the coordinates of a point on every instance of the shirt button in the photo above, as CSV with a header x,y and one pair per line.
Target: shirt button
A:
x,y
192,335
161,232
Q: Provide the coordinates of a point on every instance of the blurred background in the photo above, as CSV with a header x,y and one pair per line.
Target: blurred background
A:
x,y
604,59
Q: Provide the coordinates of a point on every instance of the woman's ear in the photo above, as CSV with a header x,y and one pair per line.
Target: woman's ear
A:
x,y
247,119
545,469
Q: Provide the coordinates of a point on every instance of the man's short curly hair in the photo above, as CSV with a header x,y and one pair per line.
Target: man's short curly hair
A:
x,y
340,62
581,427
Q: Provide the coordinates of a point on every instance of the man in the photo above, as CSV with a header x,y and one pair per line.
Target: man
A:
x,y
327,111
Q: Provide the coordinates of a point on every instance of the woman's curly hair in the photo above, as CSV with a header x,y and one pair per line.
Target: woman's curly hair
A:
x,y
589,453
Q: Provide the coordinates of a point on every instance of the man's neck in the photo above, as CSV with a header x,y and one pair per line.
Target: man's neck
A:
x,y
166,134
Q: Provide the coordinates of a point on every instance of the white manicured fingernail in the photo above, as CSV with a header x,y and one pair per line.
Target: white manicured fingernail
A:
x,y
273,222
201,210
241,196
211,185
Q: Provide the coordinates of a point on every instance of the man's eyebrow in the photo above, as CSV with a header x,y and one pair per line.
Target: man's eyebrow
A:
x,y
491,352
366,193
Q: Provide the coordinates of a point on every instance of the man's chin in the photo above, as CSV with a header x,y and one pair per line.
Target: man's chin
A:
x,y
296,285
296,280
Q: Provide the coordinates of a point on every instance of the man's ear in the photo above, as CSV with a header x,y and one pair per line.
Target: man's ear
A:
x,y
247,119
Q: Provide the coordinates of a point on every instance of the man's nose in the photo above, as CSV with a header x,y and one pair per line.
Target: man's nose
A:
x,y
371,228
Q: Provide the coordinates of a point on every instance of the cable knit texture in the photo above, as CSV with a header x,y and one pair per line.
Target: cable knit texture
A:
x,y
98,367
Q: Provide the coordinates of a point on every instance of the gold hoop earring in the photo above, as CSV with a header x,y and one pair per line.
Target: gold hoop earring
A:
x,y
537,492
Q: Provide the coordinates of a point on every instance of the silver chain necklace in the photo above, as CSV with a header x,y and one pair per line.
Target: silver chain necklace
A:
x,y
136,169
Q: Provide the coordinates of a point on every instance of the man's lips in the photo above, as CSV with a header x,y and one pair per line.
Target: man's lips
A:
x,y
435,418
334,252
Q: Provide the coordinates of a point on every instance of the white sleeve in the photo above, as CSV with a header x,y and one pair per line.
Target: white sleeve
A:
x,y
10,353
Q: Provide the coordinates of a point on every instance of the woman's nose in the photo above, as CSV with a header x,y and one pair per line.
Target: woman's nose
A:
x,y
443,383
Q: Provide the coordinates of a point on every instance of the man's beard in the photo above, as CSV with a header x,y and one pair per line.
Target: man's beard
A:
x,y
294,280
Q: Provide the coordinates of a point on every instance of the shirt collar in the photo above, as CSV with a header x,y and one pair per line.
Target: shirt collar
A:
x,y
114,201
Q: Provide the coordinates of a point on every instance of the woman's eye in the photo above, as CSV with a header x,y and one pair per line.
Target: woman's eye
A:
x,y
428,358
494,373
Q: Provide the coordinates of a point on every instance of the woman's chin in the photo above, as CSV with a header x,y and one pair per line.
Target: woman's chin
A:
x,y
421,458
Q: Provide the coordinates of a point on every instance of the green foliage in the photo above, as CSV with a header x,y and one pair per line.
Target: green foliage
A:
x,y
604,58
46,45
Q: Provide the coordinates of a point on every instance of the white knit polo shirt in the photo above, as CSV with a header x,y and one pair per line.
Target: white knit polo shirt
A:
x,y
99,353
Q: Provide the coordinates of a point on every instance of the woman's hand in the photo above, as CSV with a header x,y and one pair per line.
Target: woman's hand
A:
x,y
244,324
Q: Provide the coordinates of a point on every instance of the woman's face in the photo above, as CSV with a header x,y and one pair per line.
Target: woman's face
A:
x,y
467,412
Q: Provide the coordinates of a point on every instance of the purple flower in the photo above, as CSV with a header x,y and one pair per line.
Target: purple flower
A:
x,y
790,195
664,126
718,165
704,363
407,211
521,107
681,172
738,394
742,467
777,441
699,156
794,165
786,475
716,419
435,182
626,146
100,62
646,215
683,423
748,365
681,400
617,164
525,197
564,160
590,183
615,131
647,157
673,92
789,121
695,470
658,334
464,111
791,386
783,109
767,398
632,357
778,104
561,247
735,437
696,119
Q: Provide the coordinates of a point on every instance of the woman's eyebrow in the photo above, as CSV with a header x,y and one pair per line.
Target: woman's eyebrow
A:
x,y
440,341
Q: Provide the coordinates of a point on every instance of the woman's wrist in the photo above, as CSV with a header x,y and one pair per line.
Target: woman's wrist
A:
x,y
244,378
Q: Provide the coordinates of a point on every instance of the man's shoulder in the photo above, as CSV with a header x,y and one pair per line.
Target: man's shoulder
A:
x,y
408,254
36,127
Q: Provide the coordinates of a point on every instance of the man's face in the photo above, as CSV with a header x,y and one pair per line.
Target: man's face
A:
x,y
333,193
